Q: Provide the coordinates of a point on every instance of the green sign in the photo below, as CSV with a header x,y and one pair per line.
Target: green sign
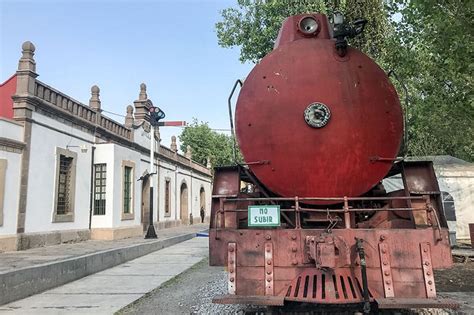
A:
x,y
265,215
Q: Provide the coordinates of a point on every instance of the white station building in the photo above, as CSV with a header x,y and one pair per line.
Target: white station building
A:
x,y
69,173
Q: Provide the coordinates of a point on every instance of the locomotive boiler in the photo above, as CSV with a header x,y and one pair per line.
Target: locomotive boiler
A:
x,y
307,218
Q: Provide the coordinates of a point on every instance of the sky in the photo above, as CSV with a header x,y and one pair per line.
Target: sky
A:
x,y
169,45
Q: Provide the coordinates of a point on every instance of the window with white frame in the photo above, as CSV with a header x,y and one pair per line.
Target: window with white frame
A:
x,y
100,177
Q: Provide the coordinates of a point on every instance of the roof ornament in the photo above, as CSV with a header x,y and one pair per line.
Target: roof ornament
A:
x,y
94,101
174,146
27,61
129,117
189,153
143,96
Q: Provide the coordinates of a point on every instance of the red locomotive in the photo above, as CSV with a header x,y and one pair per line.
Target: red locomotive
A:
x,y
307,218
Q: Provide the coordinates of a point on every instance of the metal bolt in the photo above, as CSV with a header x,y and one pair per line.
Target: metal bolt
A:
x,y
385,263
428,273
294,262
384,251
425,250
293,237
231,270
231,249
269,262
382,237
269,272
427,263
294,249
388,282
231,262
430,282
268,237
387,273
269,279
231,279
268,250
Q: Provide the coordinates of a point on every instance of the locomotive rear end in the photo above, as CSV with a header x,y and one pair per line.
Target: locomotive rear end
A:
x,y
367,250
306,218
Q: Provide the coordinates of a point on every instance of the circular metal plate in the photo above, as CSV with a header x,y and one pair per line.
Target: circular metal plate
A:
x,y
317,115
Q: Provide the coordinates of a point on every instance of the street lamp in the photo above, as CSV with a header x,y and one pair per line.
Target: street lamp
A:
x,y
156,114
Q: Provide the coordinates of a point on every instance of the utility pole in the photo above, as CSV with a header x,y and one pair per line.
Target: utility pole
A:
x,y
156,114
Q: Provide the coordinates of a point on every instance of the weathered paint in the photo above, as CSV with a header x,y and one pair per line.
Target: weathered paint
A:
x,y
335,160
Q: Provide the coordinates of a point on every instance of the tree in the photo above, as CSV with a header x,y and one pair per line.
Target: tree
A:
x,y
432,51
254,25
207,143
429,45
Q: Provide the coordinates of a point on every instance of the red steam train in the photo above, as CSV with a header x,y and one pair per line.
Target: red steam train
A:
x,y
306,218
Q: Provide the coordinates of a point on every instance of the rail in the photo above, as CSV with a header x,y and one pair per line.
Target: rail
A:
x,y
67,104
345,209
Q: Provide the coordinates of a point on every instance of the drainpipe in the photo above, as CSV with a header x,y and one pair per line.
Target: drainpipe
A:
x,y
176,194
91,197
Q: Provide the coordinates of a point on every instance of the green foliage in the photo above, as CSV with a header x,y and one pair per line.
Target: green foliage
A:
x,y
432,50
205,142
428,43
254,24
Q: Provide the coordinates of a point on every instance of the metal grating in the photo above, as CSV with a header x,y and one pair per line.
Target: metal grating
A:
x,y
322,287
64,185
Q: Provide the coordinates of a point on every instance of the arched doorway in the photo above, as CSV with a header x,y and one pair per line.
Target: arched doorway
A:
x,y
184,203
145,203
202,204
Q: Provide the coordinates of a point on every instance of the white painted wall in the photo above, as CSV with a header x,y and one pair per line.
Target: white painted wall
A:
x,y
48,135
104,153
124,154
42,176
458,180
11,130
12,187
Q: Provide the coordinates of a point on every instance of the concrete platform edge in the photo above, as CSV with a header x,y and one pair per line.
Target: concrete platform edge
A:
x,y
24,282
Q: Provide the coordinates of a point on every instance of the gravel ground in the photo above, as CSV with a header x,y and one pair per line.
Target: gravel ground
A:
x,y
192,293
189,293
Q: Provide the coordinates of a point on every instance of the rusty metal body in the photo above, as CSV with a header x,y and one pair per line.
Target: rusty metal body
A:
x,y
347,156
314,258
318,153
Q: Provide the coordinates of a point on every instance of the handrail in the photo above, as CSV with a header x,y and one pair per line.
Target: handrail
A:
x,y
229,104
325,198
346,209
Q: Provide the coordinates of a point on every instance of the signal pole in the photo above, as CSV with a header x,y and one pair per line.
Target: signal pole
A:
x,y
156,114
150,233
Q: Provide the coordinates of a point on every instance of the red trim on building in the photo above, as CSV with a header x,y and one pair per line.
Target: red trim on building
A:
x,y
7,89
